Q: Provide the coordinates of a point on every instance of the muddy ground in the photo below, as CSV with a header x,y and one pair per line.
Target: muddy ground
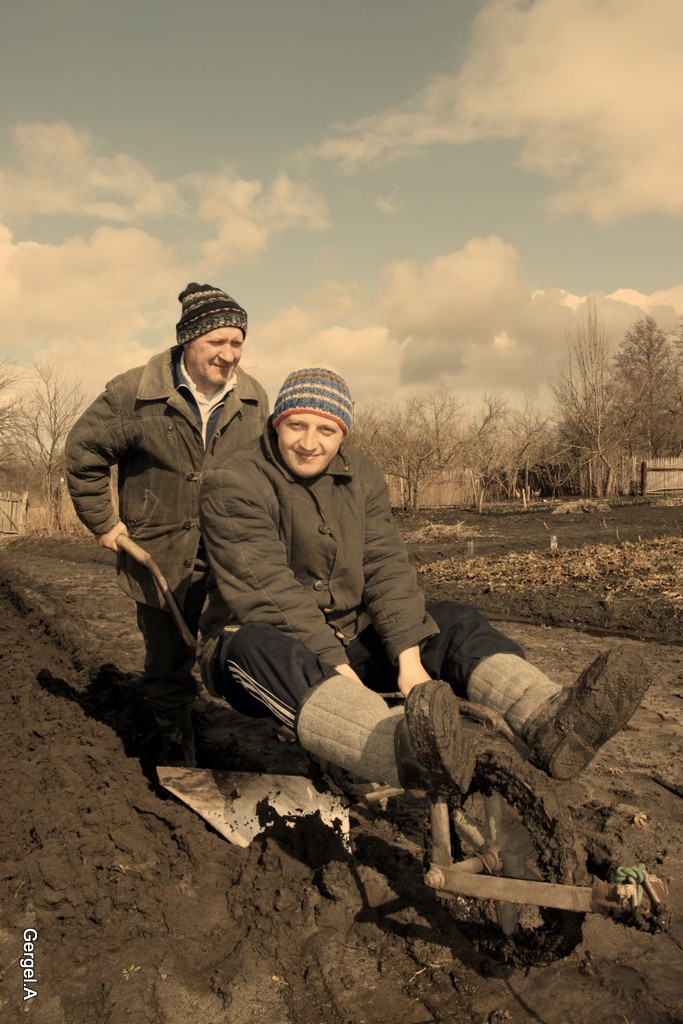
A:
x,y
138,911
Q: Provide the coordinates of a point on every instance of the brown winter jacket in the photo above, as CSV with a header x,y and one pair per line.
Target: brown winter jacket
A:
x,y
320,559
145,426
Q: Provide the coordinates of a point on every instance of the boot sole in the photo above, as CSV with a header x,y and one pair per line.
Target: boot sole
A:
x,y
437,734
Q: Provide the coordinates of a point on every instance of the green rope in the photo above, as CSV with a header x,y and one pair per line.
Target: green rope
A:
x,y
636,874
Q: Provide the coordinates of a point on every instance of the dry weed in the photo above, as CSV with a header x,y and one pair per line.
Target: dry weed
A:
x,y
590,505
646,569
438,531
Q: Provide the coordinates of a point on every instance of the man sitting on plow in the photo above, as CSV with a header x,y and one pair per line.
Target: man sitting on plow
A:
x,y
314,611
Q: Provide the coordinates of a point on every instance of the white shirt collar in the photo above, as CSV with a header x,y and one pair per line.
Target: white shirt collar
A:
x,y
202,399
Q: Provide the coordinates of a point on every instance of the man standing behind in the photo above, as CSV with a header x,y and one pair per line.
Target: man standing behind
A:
x,y
163,425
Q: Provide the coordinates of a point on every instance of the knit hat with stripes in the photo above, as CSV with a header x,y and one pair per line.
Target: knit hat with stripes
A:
x,y
204,309
317,390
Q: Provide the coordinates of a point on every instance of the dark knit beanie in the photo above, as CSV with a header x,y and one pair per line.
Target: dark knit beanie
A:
x,y
317,390
204,309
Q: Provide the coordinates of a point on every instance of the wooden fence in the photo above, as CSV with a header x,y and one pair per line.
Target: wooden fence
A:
x,y
659,476
629,476
13,508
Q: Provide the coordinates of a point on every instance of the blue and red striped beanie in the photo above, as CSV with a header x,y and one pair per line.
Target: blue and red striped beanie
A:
x,y
318,390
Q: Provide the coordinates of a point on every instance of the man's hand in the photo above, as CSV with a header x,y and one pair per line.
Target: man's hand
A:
x,y
108,540
346,670
411,671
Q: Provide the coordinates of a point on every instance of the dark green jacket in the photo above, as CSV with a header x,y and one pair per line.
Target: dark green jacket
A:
x,y
145,426
319,559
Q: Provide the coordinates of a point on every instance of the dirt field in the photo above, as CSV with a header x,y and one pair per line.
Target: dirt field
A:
x,y
135,910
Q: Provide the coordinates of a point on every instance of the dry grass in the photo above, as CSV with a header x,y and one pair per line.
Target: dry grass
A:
x,y
589,505
40,521
642,569
438,531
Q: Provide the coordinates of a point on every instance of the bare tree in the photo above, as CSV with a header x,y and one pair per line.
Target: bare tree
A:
x,y
485,446
586,402
48,409
10,377
415,441
677,358
369,429
647,376
527,438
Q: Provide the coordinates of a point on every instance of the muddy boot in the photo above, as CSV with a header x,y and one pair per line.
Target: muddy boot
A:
x,y
351,726
563,728
568,733
432,750
177,737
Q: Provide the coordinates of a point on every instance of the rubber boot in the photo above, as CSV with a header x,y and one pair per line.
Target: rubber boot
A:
x,y
422,747
563,728
177,737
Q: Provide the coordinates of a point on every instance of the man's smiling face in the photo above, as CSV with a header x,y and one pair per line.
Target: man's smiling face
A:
x,y
308,442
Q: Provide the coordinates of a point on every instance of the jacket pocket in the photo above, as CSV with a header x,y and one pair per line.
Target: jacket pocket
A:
x,y
134,509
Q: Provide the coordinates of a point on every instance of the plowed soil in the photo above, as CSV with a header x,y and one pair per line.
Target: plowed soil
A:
x,y
136,910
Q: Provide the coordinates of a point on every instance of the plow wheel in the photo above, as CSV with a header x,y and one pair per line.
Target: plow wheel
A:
x,y
511,807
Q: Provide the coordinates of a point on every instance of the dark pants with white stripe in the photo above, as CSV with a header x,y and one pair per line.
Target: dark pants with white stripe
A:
x,y
261,671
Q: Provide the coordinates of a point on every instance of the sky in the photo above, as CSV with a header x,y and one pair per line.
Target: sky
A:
x,y
418,193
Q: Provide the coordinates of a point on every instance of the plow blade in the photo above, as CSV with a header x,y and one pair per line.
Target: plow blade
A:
x,y
243,805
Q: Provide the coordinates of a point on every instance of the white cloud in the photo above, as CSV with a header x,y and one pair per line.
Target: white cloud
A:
x,y
87,301
659,304
57,169
322,329
590,89
398,133
470,286
290,204
467,320
391,203
80,364
245,215
101,302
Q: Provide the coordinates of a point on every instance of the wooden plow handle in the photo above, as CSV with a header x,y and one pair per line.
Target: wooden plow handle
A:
x,y
127,544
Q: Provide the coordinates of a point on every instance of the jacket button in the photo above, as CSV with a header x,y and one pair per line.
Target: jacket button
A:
x,y
191,477
318,585
187,525
324,528
169,427
188,563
